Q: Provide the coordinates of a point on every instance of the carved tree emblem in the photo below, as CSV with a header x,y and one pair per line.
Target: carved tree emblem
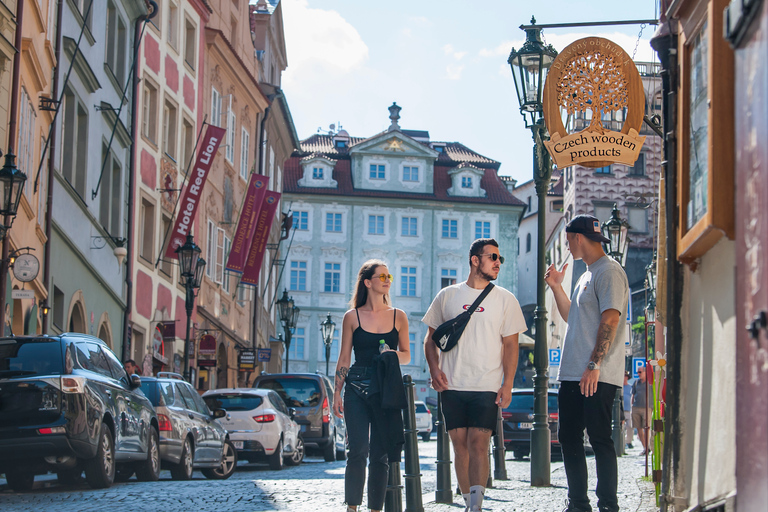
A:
x,y
593,80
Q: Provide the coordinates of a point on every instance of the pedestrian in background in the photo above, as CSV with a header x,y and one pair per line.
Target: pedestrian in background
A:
x,y
475,378
131,367
626,402
592,362
371,327
640,408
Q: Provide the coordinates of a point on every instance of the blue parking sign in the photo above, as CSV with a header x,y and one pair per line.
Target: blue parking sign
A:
x,y
637,362
554,357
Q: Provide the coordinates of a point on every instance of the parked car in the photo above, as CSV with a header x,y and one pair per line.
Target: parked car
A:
x,y
67,405
311,395
190,436
518,421
260,426
423,420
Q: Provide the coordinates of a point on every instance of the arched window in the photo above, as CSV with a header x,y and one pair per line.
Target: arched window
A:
x,y
528,242
77,319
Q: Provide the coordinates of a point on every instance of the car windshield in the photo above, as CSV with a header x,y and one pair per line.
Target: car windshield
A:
x,y
233,402
421,407
295,392
22,357
524,402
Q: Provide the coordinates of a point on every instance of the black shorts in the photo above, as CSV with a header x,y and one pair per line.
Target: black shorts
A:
x,y
467,409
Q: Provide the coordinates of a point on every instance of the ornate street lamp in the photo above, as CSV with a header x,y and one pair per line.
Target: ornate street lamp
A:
x,y
529,69
650,277
327,328
615,229
192,267
12,182
289,314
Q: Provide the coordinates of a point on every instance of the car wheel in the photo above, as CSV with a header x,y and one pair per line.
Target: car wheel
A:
x,y
149,470
329,450
183,470
425,436
276,459
298,453
20,481
124,472
69,476
228,464
100,470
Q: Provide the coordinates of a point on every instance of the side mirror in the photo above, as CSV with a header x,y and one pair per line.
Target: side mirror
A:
x,y
219,413
135,381
292,412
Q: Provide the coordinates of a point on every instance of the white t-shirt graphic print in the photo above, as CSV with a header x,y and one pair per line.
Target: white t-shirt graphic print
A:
x,y
475,364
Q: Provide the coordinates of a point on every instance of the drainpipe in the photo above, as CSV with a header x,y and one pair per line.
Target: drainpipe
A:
x,y
260,168
132,179
51,177
14,113
665,44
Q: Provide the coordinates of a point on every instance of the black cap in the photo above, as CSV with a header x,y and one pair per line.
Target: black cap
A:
x,y
588,226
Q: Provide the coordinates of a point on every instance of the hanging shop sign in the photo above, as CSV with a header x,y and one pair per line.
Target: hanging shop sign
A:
x,y
247,360
260,237
158,347
26,267
206,352
265,354
594,75
246,225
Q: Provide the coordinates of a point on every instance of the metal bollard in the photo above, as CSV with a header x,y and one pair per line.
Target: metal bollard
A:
x,y
413,501
393,502
618,438
443,493
489,483
499,452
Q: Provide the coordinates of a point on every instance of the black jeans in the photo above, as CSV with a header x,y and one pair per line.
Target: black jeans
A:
x,y
578,412
363,436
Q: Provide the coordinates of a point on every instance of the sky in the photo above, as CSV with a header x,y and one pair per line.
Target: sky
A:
x,y
443,61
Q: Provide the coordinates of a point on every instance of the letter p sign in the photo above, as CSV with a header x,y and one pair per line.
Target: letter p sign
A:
x,y
637,362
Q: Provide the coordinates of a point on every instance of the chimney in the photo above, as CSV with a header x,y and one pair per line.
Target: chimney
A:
x,y
394,115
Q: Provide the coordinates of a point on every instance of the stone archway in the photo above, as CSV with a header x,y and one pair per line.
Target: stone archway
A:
x,y
222,367
77,322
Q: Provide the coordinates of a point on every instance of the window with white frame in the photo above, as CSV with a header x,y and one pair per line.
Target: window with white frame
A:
x,y
173,25
26,142
116,43
169,129
298,276
408,281
410,173
166,265
215,107
466,182
297,344
410,226
317,173
230,153
332,278
245,148
147,240
109,192
333,222
226,276
482,229
377,172
450,228
375,224
447,277
301,220
74,136
190,42
188,139
215,248
149,112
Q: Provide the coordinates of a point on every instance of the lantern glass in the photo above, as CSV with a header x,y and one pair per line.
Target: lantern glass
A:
x,y
294,318
530,65
199,270
286,307
12,182
650,312
327,328
188,254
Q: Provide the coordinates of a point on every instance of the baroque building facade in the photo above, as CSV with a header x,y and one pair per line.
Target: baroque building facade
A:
x,y
397,196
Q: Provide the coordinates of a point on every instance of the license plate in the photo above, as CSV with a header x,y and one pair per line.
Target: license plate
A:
x,y
238,445
525,425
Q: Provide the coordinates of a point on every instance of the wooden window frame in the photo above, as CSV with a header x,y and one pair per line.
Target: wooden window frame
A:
x,y
718,220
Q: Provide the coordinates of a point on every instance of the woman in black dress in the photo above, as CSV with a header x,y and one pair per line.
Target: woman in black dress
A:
x,y
371,323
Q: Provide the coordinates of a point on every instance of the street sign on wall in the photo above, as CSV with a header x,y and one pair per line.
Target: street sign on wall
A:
x,y
637,362
554,357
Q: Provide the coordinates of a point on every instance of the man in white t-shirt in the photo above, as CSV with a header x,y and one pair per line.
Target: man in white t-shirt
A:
x,y
475,378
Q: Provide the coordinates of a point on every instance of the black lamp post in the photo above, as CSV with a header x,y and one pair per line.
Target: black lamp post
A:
x,y
529,69
192,267
289,314
615,229
650,277
11,186
327,328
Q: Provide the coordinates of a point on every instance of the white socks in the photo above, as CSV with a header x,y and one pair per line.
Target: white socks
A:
x,y
466,499
476,494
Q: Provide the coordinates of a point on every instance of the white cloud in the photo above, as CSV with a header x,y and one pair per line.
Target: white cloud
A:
x,y
450,51
502,49
453,71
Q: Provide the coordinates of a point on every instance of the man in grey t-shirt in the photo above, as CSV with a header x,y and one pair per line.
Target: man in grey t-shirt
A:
x,y
592,362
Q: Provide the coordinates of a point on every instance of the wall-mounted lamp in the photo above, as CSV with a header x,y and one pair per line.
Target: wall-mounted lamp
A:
x,y
44,308
120,252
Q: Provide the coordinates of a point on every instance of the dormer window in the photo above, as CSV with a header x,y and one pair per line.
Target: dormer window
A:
x,y
317,173
410,173
466,182
378,172
341,144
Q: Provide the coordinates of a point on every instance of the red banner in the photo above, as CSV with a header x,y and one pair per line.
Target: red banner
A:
x,y
246,226
260,237
209,144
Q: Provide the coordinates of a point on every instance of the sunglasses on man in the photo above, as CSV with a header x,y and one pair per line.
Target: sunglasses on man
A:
x,y
493,256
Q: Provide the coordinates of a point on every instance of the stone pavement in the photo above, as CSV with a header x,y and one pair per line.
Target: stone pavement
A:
x,y
314,486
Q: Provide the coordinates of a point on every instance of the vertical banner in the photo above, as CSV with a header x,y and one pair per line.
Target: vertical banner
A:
x,y
246,225
260,237
209,144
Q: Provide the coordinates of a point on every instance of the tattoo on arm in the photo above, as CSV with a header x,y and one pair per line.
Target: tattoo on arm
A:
x,y
605,336
341,374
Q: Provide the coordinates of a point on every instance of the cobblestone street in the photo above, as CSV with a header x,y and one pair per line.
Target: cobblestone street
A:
x,y
312,487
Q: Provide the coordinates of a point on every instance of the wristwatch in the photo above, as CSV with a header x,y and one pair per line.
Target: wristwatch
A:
x,y
593,366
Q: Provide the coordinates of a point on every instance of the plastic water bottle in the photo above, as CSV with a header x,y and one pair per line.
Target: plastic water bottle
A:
x,y
382,346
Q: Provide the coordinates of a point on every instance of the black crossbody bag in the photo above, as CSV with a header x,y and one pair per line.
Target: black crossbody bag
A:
x,y
447,335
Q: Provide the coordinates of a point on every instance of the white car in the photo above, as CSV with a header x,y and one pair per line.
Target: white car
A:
x,y
260,425
423,420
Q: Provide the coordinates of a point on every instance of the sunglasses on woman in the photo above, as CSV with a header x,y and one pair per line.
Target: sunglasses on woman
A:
x,y
383,277
493,256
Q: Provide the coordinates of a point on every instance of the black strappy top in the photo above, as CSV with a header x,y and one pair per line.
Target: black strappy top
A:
x,y
366,344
